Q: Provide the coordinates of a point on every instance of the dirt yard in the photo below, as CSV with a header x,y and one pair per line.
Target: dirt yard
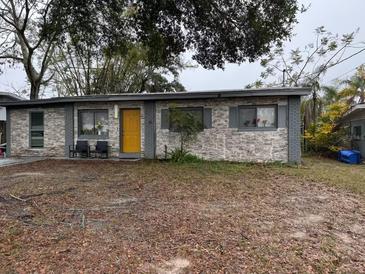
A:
x,y
149,217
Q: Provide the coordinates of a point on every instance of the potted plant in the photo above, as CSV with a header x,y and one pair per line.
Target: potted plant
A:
x,y
99,127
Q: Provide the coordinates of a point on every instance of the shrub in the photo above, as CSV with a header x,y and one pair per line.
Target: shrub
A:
x,y
326,136
186,125
179,155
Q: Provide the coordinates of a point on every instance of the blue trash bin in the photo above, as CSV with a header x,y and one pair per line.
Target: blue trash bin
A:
x,y
349,156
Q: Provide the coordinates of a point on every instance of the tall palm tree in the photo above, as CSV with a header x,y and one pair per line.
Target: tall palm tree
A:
x,y
311,108
355,90
330,95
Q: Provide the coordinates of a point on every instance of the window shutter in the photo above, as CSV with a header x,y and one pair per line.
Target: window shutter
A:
x,y
282,116
233,117
207,118
165,121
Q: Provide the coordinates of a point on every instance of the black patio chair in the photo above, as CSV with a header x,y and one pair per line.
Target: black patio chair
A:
x,y
82,149
101,149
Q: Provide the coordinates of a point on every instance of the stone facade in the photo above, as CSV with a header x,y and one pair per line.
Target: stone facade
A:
x,y
54,133
223,143
114,138
220,142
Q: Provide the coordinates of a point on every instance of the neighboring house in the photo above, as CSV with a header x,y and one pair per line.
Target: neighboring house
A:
x,y
355,120
5,97
256,125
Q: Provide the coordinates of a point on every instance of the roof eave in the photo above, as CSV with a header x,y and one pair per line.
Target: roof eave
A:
x,y
165,96
351,114
11,95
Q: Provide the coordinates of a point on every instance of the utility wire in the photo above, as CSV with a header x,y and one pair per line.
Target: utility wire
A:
x,y
340,76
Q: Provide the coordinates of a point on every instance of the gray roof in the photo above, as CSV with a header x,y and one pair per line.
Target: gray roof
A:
x,y
167,96
10,96
354,113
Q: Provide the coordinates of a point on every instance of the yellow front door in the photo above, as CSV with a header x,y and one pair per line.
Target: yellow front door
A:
x,y
131,131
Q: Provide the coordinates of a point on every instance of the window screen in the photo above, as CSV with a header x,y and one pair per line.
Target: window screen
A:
x,y
266,117
247,117
93,123
257,117
36,129
186,113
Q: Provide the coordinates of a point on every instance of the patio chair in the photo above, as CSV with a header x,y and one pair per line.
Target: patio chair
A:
x,y
2,150
101,149
82,149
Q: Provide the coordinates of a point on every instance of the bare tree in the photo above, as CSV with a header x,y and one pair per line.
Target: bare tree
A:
x,y
81,69
28,33
306,66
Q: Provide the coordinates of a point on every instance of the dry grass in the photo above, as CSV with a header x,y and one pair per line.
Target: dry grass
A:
x,y
152,217
334,173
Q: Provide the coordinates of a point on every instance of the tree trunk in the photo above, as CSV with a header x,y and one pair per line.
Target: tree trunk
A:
x,y
34,89
304,129
314,110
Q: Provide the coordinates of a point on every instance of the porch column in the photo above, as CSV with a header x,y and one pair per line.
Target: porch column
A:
x,y
294,149
150,129
8,133
69,127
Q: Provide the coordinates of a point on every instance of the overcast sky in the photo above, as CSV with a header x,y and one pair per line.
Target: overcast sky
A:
x,y
338,16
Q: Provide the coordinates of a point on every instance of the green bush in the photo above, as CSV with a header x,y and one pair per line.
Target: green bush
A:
x,y
186,125
179,155
326,137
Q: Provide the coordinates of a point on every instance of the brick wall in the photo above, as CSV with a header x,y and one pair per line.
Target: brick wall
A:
x,y
223,143
217,143
54,133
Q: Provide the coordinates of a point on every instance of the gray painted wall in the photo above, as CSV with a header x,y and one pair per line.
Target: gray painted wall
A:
x,y
69,127
294,149
150,129
359,144
8,135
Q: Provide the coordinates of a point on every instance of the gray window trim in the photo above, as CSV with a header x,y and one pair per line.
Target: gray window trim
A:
x,y
257,128
201,109
91,136
35,129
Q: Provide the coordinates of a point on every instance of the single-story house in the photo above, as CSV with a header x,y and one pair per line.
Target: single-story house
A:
x,y
255,125
5,97
354,119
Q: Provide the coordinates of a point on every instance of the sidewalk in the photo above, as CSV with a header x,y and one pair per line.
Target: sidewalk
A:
x,y
15,161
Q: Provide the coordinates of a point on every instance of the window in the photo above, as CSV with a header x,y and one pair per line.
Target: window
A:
x,y
357,133
93,123
253,117
196,113
36,129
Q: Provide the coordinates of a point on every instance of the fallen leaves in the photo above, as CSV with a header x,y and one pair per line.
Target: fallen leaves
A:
x,y
145,217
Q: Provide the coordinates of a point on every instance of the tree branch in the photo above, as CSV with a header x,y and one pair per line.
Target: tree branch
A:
x,y
11,57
